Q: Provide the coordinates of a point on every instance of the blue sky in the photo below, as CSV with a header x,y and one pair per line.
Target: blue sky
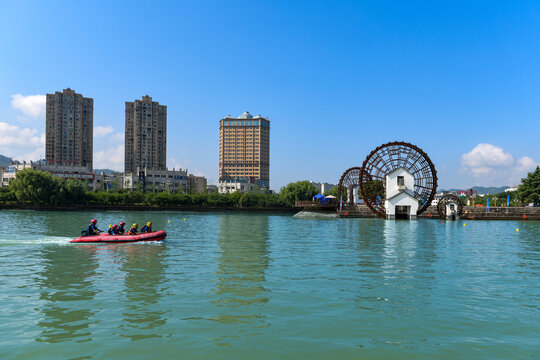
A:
x,y
459,79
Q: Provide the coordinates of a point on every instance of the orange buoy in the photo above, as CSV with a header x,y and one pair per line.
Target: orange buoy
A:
x,y
524,216
346,213
429,215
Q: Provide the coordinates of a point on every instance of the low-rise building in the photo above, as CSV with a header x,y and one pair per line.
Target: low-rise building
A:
x,y
157,180
107,181
241,184
8,173
323,187
150,180
197,183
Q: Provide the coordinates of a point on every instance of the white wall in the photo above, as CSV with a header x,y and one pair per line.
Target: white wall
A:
x,y
397,196
391,182
402,199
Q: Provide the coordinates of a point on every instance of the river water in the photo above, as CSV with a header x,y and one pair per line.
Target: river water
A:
x,y
254,286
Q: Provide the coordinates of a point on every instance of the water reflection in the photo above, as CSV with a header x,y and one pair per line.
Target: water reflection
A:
x,y
369,245
408,257
67,290
144,269
244,257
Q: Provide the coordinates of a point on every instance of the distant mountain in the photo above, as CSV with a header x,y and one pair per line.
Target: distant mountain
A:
x,y
4,160
483,190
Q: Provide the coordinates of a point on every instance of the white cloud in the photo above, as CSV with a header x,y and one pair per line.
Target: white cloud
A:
x,y
21,143
484,158
526,164
118,138
31,105
108,148
100,131
198,172
495,166
172,163
110,158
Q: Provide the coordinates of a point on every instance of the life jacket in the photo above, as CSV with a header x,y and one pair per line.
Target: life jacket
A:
x,y
92,229
111,231
146,229
132,231
120,230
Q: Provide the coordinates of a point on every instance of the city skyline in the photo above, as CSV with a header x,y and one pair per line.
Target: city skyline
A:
x,y
458,81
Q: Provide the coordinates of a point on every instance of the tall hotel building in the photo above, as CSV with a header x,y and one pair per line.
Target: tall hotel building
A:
x,y
69,129
146,135
244,152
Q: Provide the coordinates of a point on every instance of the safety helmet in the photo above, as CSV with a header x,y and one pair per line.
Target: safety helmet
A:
x,y
94,221
149,223
115,226
122,223
135,225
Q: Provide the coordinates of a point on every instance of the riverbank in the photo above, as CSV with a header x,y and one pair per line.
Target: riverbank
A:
x,y
145,207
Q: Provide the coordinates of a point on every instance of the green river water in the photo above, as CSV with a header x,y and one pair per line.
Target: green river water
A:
x,y
258,286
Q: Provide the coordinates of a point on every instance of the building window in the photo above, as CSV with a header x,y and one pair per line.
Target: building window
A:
x,y
400,181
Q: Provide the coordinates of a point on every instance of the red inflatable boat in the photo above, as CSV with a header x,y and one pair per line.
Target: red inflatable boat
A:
x,y
106,238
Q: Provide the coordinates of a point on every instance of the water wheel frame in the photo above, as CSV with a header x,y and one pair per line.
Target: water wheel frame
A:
x,y
441,206
349,180
389,157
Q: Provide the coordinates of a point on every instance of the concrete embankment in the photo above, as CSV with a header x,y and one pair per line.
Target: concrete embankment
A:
x,y
472,213
310,214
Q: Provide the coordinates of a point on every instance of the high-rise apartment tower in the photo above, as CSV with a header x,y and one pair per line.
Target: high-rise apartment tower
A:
x,y
244,149
69,129
146,135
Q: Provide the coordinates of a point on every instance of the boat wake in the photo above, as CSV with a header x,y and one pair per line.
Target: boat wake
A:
x,y
36,240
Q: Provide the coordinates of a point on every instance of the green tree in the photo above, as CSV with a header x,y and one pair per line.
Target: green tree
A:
x,y
34,186
297,191
75,189
374,191
529,190
6,195
334,192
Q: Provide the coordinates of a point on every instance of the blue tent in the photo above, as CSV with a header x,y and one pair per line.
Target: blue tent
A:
x,y
318,197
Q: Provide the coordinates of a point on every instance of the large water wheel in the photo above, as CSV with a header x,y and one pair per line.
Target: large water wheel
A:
x,y
389,157
448,199
348,184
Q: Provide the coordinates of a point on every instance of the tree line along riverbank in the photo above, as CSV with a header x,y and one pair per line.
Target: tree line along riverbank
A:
x,y
33,189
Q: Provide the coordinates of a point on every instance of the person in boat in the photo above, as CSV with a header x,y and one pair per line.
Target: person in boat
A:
x,y
92,228
147,228
133,229
121,229
113,230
